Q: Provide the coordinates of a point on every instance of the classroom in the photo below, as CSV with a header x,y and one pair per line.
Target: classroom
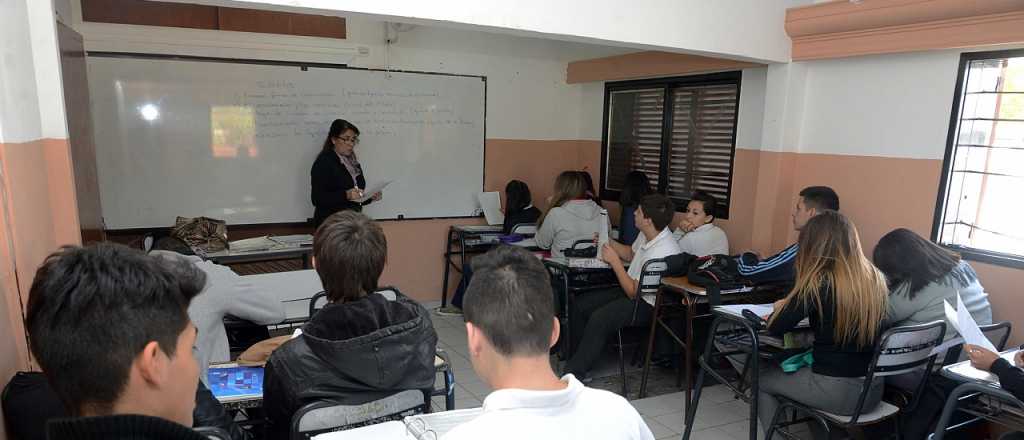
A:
x,y
750,219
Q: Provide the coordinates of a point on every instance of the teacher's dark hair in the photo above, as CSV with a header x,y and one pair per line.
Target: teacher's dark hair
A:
x,y
350,251
92,309
338,127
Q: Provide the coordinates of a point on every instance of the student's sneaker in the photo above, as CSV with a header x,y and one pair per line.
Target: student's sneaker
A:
x,y
449,311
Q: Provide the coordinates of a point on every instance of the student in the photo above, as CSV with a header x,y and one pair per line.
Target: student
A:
x,y
813,200
361,346
635,188
591,193
923,276
602,313
510,328
697,234
844,297
519,209
109,326
571,215
226,293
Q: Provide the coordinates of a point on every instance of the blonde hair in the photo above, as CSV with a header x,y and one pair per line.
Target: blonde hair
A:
x,y
569,185
830,255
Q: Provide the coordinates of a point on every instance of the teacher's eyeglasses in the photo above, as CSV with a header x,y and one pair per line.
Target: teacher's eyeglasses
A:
x,y
351,140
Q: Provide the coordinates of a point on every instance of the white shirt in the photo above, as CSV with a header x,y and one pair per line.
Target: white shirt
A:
x,y
574,413
707,239
662,246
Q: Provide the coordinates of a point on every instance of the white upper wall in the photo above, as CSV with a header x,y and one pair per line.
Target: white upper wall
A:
x,y
741,29
31,102
881,105
527,97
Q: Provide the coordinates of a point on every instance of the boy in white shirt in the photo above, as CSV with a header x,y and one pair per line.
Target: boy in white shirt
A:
x,y
697,235
599,315
510,327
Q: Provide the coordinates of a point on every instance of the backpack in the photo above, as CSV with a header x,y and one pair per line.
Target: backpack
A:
x,y
719,271
203,233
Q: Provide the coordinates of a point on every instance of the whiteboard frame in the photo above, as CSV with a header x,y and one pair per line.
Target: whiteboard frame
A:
x,y
305,66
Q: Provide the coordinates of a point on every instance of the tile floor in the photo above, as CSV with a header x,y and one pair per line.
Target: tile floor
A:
x,y
719,417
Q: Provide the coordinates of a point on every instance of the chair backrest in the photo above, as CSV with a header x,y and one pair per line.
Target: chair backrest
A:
x,y
525,229
649,282
330,415
998,333
212,433
314,302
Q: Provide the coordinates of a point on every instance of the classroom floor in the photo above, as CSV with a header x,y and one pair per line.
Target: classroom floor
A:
x,y
719,416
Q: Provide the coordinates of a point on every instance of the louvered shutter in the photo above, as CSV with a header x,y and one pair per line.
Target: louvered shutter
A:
x,y
634,135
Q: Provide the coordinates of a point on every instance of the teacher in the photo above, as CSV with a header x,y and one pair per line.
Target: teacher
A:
x,y
337,177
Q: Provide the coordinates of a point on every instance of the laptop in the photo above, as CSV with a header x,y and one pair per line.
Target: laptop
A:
x,y
490,204
232,383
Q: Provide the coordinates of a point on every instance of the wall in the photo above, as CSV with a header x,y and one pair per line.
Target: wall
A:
x,y
535,124
37,198
693,26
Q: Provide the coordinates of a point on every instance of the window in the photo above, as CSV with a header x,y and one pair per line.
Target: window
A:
x,y
681,132
979,209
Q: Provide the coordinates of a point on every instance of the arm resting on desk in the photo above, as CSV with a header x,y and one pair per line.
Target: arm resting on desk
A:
x,y
245,299
1010,377
788,318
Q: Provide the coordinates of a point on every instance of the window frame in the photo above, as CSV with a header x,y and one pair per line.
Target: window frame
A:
x,y
734,77
969,253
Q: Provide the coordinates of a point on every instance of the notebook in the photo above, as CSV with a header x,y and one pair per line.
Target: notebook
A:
x,y
231,383
419,427
490,203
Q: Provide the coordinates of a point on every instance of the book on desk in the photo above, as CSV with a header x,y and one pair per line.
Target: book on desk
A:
x,y
420,427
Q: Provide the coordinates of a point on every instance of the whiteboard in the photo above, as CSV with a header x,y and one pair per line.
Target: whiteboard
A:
x,y
236,141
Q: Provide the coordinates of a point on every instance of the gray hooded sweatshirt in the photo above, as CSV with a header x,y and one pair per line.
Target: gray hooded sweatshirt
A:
x,y
564,225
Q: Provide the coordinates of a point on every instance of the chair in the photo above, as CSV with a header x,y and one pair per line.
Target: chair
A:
x,y
998,333
212,433
900,350
529,229
444,366
314,301
999,401
327,415
650,282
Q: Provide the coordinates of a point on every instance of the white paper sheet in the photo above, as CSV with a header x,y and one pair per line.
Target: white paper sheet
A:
x,y
372,189
964,323
602,235
490,203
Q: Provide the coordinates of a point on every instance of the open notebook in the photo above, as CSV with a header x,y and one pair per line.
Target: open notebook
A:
x,y
420,427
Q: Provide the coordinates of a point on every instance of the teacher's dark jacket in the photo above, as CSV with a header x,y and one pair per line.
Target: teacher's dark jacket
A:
x,y
330,180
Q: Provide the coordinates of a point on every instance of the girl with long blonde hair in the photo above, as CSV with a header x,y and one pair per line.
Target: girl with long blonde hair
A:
x,y
844,298
570,216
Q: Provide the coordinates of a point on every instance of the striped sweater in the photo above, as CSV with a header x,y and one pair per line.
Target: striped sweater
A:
x,y
779,268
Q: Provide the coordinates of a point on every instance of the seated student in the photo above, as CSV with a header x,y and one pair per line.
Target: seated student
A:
x,y
635,188
601,313
109,326
923,276
226,293
571,216
844,297
697,234
361,346
591,193
519,209
510,327
779,268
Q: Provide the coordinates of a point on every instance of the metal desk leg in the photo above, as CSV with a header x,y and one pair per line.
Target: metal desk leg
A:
x,y
691,405
447,263
567,310
688,350
650,345
306,261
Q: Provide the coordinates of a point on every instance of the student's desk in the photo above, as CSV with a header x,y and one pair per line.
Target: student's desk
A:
x,y
293,289
573,280
741,336
980,396
678,294
227,257
463,240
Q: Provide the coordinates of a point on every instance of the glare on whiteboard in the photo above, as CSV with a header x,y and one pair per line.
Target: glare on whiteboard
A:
x,y
149,112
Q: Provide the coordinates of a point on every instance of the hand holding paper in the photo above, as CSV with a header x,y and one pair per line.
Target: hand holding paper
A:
x,y
964,323
373,190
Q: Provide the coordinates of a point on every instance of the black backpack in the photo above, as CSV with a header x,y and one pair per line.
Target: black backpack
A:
x,y
715,271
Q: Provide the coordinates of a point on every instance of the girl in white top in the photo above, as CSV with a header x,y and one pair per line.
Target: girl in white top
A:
x,y
571,216
697,235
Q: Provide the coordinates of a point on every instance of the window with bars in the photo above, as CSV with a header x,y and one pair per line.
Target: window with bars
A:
x,y
681,132
979,211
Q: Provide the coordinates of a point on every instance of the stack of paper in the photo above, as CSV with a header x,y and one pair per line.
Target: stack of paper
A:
x,y
964,323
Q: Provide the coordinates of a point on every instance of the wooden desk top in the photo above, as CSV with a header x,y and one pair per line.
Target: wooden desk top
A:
x,y
682,283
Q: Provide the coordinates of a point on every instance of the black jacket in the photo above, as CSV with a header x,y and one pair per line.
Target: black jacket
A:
x,y
1011,378
120,427
528,215
355,352
329,180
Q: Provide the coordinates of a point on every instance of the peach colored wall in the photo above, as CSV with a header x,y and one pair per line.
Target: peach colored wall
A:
x,y
39,214
645,65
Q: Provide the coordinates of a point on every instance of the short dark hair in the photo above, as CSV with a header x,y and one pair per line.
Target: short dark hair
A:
x,y
820,197
517,196
659,209
92,309
707,201
907,258
509,300
350,251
